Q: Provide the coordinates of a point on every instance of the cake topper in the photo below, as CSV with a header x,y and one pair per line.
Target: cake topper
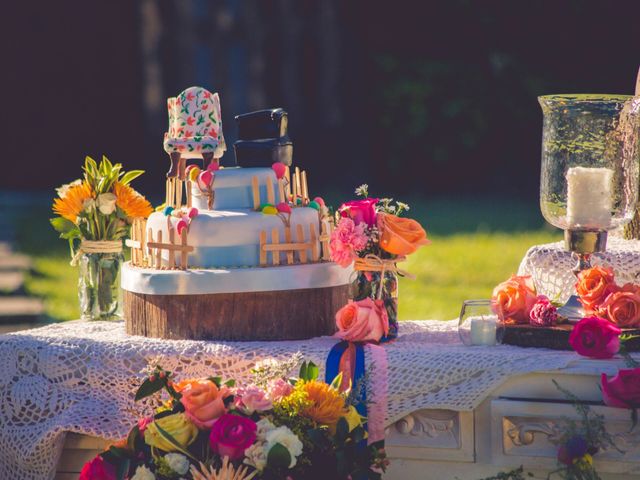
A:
x,y
263,138
195,129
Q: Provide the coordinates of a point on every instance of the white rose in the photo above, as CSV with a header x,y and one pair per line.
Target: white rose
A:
x,y
62,191
287,439
177,462
88,205
264,426
106,203
143,473
256,456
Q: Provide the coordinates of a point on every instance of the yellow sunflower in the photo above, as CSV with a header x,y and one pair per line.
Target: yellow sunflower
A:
x,y
326,405
71,203
131,202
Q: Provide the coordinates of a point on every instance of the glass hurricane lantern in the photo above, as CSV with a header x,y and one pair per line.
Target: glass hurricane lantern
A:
x,y
589,174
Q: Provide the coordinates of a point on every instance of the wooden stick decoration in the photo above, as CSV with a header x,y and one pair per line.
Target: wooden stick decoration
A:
x,y
255,189
271,196
287,186
281,190
185,252
275,240
189,195
305,188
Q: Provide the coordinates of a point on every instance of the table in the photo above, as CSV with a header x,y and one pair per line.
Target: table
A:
x,y
461,411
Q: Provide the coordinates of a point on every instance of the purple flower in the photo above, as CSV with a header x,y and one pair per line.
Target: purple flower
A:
x,y
543,313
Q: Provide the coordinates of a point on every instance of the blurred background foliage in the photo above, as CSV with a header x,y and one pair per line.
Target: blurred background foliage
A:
x,y
433,102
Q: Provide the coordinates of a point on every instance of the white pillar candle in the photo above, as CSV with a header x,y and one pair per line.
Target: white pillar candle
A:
x,y
589,197
483,331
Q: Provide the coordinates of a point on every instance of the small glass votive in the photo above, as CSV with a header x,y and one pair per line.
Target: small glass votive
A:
x,y
481,323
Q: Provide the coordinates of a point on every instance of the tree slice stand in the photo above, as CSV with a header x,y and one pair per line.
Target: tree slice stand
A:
x,y
283,303
556,338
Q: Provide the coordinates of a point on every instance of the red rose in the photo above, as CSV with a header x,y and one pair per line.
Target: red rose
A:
x,y
360,211
595,337
623,390
231,435
97,469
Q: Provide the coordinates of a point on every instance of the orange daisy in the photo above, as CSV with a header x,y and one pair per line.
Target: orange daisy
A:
x,y
131,202
71,203
326,404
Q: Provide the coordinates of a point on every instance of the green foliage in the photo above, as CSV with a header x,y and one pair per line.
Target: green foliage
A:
x,y
279,457
308,371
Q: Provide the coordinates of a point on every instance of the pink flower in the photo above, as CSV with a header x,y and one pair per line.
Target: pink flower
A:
x,y
97,469
543,313
623,390
231,435
595,337
143,422
360,211
622,307
279,389
252,399
346,240
191,121
362,321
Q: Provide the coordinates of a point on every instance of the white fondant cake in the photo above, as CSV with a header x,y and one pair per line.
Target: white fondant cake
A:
x,y
231,238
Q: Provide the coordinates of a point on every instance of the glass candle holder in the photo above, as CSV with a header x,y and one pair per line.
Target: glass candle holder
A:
x,y
481,323
589,174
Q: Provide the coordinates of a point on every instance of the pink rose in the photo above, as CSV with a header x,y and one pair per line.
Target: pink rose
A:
x,y
595,337
252,399
622,307
362,321
623,390
346,240
279,389
543,313
97,469
231,435
360,211
515,297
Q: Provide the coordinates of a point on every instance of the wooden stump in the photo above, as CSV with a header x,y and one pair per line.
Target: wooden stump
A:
x,y
277,315
556,338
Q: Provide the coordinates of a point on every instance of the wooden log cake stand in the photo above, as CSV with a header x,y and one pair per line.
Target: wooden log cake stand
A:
x,y
277,303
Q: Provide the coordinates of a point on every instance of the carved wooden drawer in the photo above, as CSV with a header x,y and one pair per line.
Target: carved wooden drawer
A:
x,y
432,435
522,433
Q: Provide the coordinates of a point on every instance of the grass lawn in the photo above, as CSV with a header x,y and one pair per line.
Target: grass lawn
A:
x,y
476,243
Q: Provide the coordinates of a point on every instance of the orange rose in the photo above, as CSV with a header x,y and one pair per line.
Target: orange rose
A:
x,y
400,236
515,297
622,308
593,287
203,401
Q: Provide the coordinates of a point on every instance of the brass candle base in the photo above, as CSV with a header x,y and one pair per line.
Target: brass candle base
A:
x,y
584,242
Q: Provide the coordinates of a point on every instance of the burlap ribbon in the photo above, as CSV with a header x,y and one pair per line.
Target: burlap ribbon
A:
x,y
96,246
373,263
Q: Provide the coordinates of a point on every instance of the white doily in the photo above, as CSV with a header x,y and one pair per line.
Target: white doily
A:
x,y
81,377
551,266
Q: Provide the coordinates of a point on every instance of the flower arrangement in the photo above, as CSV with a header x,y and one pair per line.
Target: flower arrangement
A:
x,y
94,215
371,235
275,428
597,291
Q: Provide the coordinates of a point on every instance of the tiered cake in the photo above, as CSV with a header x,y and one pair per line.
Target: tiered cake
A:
x,y
234,253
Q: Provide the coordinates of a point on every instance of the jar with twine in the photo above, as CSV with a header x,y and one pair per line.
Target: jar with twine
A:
x,y
99,292
377,278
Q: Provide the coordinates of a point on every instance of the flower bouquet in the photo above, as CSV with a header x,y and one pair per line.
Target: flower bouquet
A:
x,y
371,234
275,428
95,214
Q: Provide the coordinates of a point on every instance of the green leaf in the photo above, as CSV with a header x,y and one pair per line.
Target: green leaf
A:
x,y
134,434
279,457
312,371
335,384
128,177
149,387
216,380
230,383
316,435
342,430
303,371
62,225
123,469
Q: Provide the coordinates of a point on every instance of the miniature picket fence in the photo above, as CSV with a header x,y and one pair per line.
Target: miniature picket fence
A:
x,y
298,251
288,188
147,251
174,192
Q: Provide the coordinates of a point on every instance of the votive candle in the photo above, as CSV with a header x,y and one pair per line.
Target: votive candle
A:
x,y
589,197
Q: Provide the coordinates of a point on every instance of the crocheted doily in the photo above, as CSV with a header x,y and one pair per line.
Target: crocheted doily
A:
x,y
81,377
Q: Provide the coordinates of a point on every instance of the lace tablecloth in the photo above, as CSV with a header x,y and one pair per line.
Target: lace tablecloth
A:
x,y
551,266
80,377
